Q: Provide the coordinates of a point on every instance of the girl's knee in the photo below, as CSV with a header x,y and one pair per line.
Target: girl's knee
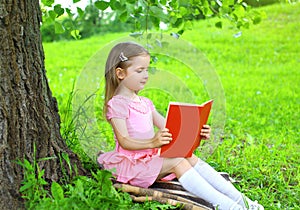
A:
x,y
182,167
193,160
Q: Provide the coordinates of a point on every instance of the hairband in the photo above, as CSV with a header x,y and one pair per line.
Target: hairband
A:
x,y
123,57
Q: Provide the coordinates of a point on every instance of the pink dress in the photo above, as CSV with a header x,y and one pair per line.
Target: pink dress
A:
x,y
135,167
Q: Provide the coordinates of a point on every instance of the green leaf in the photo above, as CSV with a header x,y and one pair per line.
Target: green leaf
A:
x,y
158,13
46,158
239,10
218,24
116,6
246,25
183,11
26,186
256,20
67,159
48,3
80,11
69,12
58,10
111,4
155,21
123,16
75,1
75,34
102,5
28,165
178,22
59,29
57,191
41,173
174,4
163,2
180,31
52,14
79,187
188,25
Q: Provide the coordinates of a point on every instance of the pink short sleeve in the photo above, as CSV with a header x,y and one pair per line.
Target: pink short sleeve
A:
x,y
149,103
117,108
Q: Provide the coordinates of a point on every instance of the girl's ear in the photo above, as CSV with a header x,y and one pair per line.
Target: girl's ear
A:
x,y
120,73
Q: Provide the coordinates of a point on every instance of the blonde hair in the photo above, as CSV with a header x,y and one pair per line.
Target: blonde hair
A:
x,y
119,56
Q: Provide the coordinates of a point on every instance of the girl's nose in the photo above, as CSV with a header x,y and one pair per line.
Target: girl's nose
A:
x,y
146,74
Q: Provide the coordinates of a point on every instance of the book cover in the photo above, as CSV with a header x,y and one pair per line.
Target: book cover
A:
x,y
184,122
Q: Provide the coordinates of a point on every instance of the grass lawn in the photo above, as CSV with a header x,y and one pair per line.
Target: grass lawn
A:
x,y
260,74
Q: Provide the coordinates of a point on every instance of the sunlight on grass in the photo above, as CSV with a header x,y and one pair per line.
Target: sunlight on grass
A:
x,y
259,71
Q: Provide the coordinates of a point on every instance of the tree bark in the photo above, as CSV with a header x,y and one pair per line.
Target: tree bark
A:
x,y
28,112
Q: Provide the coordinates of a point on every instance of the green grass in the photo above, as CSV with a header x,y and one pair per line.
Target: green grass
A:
x,y
260,74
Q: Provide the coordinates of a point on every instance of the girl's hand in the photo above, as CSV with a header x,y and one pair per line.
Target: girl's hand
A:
x,y
205,132
162,137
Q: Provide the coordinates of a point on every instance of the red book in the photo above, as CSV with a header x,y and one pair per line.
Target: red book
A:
x,y
184,122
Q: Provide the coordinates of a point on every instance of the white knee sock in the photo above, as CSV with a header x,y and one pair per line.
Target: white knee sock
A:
x,y
195,184
218,182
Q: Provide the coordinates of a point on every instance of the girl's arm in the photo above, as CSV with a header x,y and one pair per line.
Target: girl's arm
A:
x,y
158,120
120,129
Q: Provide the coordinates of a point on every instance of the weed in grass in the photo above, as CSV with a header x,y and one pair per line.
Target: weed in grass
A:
x,y
33,184
81,192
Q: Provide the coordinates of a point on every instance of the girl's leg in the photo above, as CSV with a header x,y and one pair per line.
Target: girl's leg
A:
x,y
218,182
194,183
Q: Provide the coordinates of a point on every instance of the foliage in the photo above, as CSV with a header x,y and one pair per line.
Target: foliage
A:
x,y
80,192
33,184
140,16
62,24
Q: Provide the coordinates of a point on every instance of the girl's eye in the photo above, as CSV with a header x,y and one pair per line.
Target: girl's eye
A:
x,y
140,70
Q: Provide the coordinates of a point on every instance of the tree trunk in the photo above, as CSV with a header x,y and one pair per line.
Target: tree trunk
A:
x,y
28,112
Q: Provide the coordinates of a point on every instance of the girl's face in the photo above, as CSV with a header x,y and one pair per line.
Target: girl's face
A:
x,y
136,75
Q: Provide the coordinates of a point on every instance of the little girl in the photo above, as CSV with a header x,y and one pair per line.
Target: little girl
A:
x,y
135,159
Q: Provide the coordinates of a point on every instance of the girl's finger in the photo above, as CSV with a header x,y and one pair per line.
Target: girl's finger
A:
x,y
165,130
203,131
